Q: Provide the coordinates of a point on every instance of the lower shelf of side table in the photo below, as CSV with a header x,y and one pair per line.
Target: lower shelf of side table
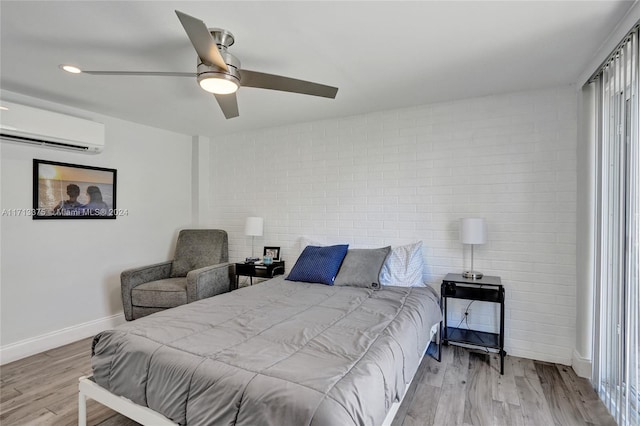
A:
x,y
473,337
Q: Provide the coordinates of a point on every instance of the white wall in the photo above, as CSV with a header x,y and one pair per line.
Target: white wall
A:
x,y
404,175
585,231
60,279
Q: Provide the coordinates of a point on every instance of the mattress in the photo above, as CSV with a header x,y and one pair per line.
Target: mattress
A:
x,y
277,353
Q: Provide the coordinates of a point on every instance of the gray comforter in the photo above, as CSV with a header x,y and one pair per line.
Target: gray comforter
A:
x,y
278,353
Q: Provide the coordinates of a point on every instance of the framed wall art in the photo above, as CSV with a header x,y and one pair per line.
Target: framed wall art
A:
x,y
73,191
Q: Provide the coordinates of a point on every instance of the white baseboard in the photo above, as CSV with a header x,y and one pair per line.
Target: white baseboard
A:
x,y
539,356
34,345
581,366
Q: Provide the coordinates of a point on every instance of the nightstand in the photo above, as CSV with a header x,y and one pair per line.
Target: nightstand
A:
x,y
485,289
258,270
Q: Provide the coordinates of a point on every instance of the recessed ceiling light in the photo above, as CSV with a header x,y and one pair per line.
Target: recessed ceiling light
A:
x,y
71,69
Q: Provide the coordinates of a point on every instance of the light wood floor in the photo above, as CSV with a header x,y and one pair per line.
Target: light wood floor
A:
x,y
464,389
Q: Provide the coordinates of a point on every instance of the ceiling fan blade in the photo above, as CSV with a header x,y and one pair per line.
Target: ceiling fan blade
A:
x,y
285,84
143,73
202,40
228,105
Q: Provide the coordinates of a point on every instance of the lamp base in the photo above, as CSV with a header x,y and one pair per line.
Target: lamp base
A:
x,y
474,275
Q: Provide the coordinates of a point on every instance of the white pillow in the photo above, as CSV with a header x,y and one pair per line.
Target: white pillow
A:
x,y
404,266
306,241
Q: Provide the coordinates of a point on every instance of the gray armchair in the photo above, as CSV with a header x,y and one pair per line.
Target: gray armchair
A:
x,y
200,269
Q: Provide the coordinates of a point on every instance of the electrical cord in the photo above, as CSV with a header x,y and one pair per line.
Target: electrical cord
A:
x,y
475,332
466,315
465,319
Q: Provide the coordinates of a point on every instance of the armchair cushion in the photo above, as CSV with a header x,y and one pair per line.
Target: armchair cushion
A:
x,y
197,248
167,293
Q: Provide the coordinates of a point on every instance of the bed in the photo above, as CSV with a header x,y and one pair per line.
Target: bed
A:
x,y
277,353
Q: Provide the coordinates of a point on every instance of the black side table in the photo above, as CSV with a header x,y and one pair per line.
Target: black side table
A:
x,y
258,270
485,289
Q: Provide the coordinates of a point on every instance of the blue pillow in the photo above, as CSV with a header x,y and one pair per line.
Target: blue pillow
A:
x,y
319,264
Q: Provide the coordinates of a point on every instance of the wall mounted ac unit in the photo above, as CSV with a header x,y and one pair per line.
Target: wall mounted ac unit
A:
x,y
27,125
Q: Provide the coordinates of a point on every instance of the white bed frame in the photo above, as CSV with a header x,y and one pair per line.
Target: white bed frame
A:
x,y
146,416
88,388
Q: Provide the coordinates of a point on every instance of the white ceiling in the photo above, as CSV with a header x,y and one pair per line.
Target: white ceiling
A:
x,y
381,55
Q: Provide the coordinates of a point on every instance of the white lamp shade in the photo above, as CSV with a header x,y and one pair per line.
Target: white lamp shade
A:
x,y
253,226
473,230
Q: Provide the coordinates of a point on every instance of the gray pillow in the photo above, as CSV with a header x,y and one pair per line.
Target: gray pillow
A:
x,y
361,268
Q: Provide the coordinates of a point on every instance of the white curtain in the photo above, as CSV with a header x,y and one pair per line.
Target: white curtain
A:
x,y
615,366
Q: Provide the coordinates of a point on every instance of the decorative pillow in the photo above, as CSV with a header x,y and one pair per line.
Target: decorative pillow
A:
x,y
404,266
303,242
319,264
361,268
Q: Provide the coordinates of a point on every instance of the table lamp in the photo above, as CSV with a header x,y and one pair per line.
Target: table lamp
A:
x,y
473,231
253,227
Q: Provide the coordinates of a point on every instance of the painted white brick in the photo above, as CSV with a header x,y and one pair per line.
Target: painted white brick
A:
x,y
395,177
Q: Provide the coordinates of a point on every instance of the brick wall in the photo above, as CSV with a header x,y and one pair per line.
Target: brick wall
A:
x,y
400,176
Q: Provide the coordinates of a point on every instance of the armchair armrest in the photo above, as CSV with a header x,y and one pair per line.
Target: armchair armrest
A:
x,y
208,281
131,278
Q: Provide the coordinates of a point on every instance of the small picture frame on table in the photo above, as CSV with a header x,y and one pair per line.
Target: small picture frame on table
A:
x,y
273,253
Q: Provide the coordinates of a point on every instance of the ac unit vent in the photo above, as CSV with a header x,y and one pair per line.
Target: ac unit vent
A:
x,y
32,126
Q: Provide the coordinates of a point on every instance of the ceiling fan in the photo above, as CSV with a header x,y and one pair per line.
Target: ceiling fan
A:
x,y
219,72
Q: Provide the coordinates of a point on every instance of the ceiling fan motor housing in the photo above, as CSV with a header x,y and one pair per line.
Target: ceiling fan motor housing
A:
x,y
223,39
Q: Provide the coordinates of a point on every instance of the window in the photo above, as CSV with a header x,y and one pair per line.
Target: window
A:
x,y
616,367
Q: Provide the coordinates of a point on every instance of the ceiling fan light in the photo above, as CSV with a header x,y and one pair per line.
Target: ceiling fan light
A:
x,y
219,86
